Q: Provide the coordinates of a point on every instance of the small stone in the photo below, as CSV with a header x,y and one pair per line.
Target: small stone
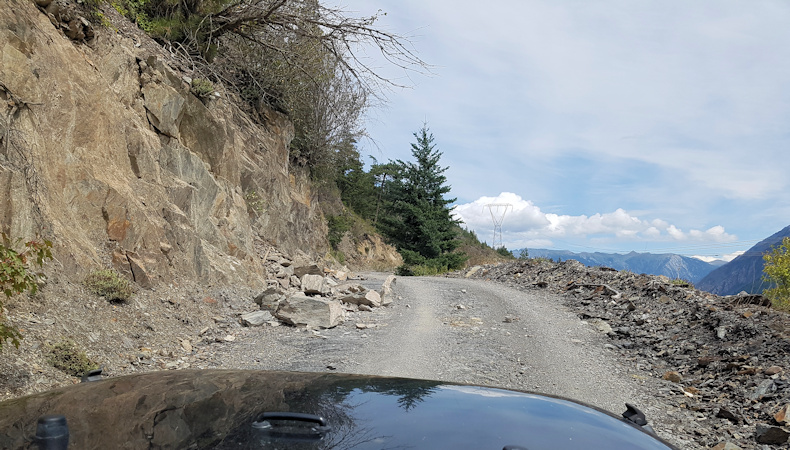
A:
x,y
721,332
186,345
705,360
762,389
726,446
773,370
600,325
673,376
460,307
229,338
783,415
727,414
768,434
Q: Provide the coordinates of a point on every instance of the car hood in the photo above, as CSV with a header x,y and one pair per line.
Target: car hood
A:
x,y
224,409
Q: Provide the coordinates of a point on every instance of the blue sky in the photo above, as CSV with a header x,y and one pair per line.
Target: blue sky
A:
x,y
624,125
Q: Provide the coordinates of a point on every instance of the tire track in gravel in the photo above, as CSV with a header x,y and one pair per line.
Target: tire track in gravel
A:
x,y
545,348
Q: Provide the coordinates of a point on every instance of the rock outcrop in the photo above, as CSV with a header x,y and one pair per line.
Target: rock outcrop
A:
x,y
104,150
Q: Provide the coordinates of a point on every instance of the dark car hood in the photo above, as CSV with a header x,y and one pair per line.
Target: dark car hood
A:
x,y
217,409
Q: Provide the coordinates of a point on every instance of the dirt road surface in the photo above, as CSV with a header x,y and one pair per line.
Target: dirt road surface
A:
x,y
458,330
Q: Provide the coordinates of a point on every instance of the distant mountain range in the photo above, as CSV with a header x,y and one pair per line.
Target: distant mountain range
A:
x,y
671,265
743,273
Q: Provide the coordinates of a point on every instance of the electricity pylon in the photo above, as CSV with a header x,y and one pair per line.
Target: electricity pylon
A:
x,y
498,218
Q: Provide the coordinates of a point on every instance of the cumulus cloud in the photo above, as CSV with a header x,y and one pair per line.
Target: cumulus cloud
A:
x,y
524,222
728,257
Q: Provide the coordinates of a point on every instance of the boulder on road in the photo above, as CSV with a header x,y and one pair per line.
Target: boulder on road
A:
x,y
369,298
256,319
387,292
314,285
270,298
312,312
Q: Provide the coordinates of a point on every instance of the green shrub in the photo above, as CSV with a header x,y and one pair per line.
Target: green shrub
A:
x,y
202,88
505,252
255,204
777,273
109,284
339,256
417,265
338,226
16,276
67,357
523,254
682,283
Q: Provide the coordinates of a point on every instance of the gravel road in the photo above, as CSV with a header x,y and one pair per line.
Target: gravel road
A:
x,y
456,330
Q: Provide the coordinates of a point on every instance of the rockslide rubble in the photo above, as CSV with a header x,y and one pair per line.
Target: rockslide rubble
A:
x,y
724,359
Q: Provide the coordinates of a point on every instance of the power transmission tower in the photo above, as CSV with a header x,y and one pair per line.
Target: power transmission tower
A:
x,y
498,218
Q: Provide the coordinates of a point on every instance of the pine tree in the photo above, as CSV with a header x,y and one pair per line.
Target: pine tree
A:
x,y
418,217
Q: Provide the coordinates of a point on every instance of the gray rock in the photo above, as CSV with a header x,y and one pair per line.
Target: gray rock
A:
x,y
767,434
312,269
314,284
387,292
472,271
369,298
312,312
285,272
165,108
270,298
350,288
256,319
763,388
600,325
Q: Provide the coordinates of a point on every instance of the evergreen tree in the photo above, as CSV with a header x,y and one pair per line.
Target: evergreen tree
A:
x,y
418,217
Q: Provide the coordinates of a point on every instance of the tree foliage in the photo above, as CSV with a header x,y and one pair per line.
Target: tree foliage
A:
x,y
297,56
418,217
777,272
503,251
17,276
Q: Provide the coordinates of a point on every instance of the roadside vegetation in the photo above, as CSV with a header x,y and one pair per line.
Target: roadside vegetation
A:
x,y
67,357
777,274
300,58
109,284
17,275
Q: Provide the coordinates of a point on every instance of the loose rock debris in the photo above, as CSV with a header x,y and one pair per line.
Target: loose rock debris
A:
x,y
725,359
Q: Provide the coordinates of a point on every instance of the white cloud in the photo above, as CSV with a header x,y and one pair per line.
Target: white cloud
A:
x,y
728,257
525,222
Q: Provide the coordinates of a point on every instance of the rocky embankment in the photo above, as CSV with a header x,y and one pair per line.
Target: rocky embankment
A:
x,y
177,325
724,360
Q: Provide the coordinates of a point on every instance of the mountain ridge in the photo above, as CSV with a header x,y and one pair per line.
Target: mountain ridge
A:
x,y
667,264
745,272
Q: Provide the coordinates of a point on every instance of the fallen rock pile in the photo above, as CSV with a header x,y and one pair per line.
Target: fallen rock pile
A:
x,y
307,295
724,359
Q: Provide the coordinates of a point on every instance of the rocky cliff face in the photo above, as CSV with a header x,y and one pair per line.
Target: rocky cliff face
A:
x,y
104,150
